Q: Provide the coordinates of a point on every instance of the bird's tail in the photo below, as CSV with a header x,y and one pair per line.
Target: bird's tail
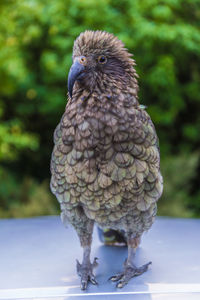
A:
x,y
112,237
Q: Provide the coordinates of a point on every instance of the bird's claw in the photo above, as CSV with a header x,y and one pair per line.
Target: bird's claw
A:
x,y
129,272
85,271
93,280
116,277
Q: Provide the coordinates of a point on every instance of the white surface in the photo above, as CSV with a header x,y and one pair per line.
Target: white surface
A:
x,y
157,289
38,262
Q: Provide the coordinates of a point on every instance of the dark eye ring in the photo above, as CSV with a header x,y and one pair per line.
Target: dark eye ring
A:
x,y
102,59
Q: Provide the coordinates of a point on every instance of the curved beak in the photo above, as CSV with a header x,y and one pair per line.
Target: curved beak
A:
x,y
75,71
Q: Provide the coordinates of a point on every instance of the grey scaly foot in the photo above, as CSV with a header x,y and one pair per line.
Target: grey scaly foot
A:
x,y
85,271
129,272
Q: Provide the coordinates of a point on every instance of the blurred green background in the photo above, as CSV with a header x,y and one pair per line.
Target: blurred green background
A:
x,y
36,39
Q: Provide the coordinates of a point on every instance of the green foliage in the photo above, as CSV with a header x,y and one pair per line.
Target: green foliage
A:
x,y
36,39
25,198
13,139
176,197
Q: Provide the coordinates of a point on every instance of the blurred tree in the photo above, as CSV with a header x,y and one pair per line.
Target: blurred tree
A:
x,y
36,39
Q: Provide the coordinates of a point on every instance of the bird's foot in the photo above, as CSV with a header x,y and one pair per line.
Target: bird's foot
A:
x,y
85,271
129,272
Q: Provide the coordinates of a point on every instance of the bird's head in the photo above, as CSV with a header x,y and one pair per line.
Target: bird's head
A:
x,y
99,60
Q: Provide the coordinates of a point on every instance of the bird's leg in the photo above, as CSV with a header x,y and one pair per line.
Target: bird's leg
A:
x,y
130,270
85,270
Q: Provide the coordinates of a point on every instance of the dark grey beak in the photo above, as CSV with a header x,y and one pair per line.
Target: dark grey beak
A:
x,y
75,72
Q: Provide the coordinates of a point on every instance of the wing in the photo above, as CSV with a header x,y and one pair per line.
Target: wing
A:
x,y
63,144
134,163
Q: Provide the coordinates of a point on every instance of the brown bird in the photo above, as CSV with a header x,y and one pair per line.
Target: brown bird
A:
x,y
105,163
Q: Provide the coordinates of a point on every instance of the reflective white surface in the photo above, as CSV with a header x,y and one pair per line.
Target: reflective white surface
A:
x,y
37,261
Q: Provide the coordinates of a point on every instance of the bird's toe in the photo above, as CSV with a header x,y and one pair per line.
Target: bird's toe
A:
x,y
85,271
116,277
128,273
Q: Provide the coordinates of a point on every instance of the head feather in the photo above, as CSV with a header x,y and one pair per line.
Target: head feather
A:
x,y
101,42
119,70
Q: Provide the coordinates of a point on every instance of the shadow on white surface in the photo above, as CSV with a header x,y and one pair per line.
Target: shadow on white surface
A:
x,y
38,261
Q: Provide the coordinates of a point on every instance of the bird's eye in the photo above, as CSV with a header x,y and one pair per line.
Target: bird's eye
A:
x,y
102,59
82,60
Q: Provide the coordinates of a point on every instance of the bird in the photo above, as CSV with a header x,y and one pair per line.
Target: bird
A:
x,y
105,164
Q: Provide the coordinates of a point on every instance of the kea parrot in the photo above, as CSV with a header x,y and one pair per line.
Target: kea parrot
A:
x,y
105,162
